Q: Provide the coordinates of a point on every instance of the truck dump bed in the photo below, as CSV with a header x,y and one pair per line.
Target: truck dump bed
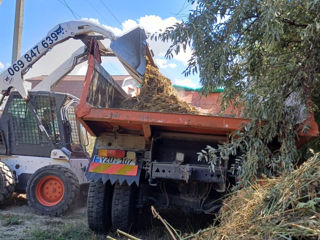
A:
x,y
101,93
127,120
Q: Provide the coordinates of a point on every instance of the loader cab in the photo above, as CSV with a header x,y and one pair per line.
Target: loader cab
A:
x,y
21,134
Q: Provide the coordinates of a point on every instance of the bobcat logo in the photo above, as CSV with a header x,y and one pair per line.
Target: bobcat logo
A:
x,y
8,80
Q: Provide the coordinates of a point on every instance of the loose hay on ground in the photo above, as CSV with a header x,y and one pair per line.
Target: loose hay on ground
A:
x,y
283,208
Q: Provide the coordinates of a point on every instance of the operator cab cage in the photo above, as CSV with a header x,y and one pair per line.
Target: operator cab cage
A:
x,y
21,133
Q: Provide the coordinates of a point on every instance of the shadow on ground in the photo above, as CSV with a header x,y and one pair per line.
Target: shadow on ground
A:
x,y
147,227
17,221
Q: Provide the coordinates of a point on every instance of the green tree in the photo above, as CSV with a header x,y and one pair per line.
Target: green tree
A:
x,y
266,53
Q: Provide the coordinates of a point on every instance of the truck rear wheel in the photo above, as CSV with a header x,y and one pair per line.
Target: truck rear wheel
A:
x,y
123,206
7,182
52,190
98,207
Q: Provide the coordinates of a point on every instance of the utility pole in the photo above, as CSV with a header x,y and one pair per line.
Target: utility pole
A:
x,y
18,24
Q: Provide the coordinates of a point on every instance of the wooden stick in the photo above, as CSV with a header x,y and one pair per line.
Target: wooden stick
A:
x,y
157,215
127,235
111,238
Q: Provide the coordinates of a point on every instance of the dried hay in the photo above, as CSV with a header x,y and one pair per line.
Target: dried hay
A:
x,y
283,208
157,95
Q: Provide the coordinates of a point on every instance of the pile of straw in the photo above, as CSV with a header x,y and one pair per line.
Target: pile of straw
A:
x,y
283,208
157,95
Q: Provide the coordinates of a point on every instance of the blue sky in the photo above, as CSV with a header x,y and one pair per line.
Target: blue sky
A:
x,y
121,15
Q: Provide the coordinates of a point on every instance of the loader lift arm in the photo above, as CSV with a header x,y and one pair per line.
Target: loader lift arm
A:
x,y
12,77
79,56
48,83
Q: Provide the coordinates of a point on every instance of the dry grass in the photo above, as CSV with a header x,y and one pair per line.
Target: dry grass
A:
x,y
283,208
157,95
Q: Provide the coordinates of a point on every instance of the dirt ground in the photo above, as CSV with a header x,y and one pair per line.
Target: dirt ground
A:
x,y
18,222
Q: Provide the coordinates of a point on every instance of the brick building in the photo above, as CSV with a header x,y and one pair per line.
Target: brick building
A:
x,y
72,83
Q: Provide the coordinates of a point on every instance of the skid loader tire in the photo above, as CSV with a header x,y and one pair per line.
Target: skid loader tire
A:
x,y
98,206
122,208
52,190
7,182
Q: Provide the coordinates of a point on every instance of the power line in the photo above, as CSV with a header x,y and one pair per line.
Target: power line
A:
x,y
182,9
65,4
109,10
76,15
95,9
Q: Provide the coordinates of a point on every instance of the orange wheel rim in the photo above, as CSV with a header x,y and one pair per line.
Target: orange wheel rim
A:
x,y
50,191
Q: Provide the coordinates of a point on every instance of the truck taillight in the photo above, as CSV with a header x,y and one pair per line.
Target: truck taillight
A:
x,y
111,153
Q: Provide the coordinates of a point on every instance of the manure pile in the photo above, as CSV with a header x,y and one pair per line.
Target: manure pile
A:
x,y
157,95
285,208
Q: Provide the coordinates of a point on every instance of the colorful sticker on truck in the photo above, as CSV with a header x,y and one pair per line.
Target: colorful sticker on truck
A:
x,y
114,169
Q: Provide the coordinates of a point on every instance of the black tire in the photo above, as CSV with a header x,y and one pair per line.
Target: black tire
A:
x,y
123,207
98,207
7,182
40,180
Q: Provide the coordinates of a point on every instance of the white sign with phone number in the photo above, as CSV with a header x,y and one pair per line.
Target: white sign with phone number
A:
x,y
36,51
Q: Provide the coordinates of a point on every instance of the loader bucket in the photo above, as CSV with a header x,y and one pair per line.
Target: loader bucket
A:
x,y
132,49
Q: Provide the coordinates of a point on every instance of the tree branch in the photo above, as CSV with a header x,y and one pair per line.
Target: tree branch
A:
x,y
293,23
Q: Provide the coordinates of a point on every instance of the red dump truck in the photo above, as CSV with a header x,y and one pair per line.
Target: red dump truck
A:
x,y
146,158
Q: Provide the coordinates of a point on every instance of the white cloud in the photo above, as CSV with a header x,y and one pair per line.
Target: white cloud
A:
x,y
1,65
163,63
172,65
93,20
184,56
115,31
185,82
151,24
129,25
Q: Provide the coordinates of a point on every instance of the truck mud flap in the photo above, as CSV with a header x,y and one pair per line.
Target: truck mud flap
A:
x,y
97,171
